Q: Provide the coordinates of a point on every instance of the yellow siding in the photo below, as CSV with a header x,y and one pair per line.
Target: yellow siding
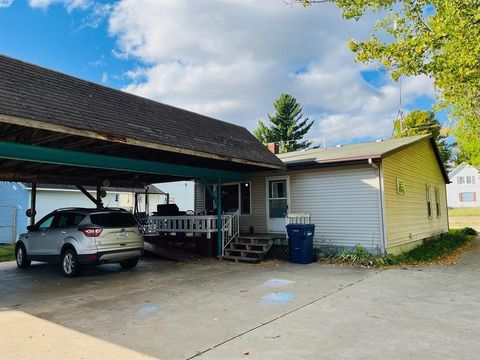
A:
x,y
407,220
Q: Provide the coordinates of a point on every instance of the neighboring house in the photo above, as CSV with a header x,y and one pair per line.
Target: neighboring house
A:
x,y
385,196
464,189
15,200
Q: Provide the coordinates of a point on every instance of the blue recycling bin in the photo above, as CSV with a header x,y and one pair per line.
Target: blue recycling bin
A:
x,y
300,242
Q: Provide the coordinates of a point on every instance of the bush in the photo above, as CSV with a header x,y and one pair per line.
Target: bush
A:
x,y
357,256
433,249
468,231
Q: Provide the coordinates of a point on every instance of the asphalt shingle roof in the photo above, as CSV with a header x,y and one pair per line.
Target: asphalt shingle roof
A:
x,y
351,152
32,92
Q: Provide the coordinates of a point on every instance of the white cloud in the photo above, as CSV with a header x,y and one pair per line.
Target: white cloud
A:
x,y
5,3
70,5
231,58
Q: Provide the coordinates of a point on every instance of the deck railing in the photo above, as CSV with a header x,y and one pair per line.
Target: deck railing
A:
x,y
298,218
193,224
230,230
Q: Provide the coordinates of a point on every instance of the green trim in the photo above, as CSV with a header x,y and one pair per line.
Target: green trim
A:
x,y
23,152
209,189
219,218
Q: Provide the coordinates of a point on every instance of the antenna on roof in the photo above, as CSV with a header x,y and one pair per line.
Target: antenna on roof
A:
x,y
400,114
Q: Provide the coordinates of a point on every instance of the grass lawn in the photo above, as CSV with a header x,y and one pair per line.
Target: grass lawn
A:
x,y
464,212
7,253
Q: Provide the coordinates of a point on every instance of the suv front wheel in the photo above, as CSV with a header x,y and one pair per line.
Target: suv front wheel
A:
x,y
70,266
21,257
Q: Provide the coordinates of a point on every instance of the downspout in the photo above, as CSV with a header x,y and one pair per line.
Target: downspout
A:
x,y
382,203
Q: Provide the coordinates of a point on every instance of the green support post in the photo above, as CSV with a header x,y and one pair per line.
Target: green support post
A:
x,y
219,217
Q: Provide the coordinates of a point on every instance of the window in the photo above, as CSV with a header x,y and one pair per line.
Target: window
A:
x,y
437,201
467,196
234,197
67,219
46,222
429,200
460,180
245,197
114,220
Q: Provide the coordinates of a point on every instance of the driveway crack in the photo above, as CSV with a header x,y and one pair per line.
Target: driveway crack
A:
x,y
336,291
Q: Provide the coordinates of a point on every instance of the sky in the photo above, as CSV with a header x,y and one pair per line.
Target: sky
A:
x,y
229,59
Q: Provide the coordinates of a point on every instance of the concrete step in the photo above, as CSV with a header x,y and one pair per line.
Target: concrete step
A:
x,y
238,245
252,240
244,252
240,258
253,251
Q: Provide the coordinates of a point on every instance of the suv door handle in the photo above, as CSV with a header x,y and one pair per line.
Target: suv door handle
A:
x,y
43,234
64,232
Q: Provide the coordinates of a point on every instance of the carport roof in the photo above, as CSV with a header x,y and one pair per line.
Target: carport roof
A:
x,y
62,103
58,129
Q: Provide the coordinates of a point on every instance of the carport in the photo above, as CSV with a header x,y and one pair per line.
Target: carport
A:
x,y
58,129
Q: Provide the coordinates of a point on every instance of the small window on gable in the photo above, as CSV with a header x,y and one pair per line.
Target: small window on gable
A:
x,y
428,191
437,201
460,180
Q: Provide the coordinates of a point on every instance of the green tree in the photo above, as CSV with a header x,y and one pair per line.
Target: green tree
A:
x,y
287,126
423,122
437,38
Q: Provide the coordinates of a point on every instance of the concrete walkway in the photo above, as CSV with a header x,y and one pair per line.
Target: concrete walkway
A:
x,y
217,310
27,337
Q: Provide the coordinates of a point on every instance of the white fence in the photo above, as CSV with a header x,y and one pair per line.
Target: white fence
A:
x,y
298,218
8,224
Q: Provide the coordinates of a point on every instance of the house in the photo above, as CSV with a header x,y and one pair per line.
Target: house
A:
x,y
15,200
464,187
387,196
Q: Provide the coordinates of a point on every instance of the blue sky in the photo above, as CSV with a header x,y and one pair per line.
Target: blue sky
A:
x,y
121,44
227,59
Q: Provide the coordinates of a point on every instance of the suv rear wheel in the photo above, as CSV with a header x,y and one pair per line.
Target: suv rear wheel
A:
x,y
129,264
70,266
21,257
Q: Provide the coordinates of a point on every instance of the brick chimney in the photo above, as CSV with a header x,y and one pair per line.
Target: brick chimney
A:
x,y
274,147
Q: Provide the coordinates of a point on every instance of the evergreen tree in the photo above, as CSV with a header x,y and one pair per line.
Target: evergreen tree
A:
x,y
421,122
287,127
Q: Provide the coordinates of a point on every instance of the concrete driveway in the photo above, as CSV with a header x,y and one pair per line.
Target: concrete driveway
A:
x,y
217,310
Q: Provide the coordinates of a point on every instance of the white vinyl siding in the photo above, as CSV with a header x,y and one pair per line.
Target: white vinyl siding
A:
x,y
199,200
344,204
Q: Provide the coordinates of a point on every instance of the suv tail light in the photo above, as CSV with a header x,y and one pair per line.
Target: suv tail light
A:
x,y
91,232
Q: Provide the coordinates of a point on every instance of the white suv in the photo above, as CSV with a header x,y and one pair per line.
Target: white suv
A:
x,y
75,237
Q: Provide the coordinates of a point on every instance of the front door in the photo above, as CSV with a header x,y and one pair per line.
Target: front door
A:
x,y
277,204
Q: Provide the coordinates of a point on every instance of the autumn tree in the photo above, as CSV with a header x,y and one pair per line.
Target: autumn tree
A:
x,y
287,126
437,38
423,122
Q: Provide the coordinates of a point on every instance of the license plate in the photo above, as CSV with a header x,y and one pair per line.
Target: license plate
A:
x,y
122,236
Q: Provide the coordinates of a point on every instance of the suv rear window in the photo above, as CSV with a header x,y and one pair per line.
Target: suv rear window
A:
x,y
114,220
